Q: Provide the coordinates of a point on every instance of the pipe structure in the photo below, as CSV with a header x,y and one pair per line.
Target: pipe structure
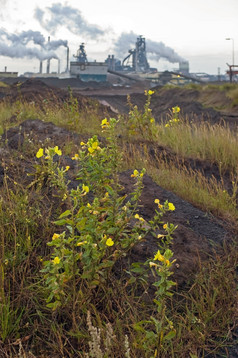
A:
x,y
67,60
41,66
58,66
48,61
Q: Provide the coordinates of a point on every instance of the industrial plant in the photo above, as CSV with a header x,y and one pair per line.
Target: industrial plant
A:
x,y
134,64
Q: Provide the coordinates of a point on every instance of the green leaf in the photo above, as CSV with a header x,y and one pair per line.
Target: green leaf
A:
x,y
81,224
61,222
66,213
170,335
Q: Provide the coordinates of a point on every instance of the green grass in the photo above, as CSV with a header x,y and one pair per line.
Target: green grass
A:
x,y
207,194
215,143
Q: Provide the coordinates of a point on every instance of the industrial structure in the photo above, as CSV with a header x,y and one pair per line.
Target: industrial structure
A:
x,y
6,74
137,59
134,66
85,70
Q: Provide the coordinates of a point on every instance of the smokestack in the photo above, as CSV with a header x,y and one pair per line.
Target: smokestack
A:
x,y
67,60
58,66
48,61
5,68
41,65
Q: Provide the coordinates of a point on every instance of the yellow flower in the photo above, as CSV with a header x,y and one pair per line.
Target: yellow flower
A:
x,y
152,120
82,143
91,150
67,168
159,257
40,153
135,174
89,205
137,216
171,206
167,125
152,264
57,150
76,156
105,122
157,201
85,189
55,236
109,242
56,260
165,226
95,145
81,243
176,109
150,92
159,236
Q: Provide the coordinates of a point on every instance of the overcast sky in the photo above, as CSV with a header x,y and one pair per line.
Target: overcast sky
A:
x,y
194,30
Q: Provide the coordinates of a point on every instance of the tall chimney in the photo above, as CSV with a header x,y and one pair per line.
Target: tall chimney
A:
x,y
41,66
48,61
67,60
58,66
5,68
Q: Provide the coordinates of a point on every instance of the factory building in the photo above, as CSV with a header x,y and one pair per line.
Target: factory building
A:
x,y
87,71
6,74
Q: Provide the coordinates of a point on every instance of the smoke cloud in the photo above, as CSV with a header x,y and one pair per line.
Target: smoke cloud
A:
x,y
155,49
20,45
71,18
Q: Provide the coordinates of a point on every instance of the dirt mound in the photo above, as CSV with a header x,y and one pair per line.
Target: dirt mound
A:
x,y
37,92
197,231
195,106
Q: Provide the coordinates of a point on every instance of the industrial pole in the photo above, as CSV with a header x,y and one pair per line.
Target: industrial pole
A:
x,y
233,49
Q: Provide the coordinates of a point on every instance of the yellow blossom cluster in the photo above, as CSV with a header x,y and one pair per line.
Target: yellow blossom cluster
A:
x,y
75,157
93,147
136,174
158,202
171,206
137,216
176,109
172,122
161,258
150,92
85,189
56,150
105,124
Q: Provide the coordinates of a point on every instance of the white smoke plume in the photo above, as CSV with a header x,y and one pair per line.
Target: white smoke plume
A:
x,y
20,45
156,50
69,17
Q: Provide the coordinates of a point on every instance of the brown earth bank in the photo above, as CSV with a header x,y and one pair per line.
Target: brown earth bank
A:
x,y
208,104
194,106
